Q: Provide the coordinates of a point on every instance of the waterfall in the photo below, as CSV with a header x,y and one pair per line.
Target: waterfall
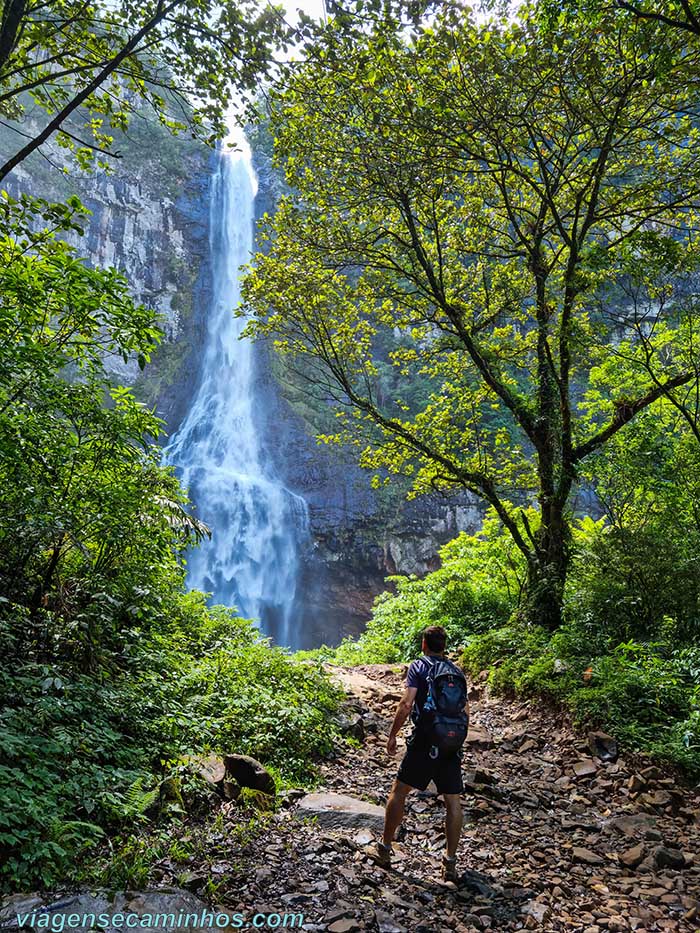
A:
x,y
258,526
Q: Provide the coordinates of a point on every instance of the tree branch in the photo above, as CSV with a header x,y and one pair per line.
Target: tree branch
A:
x,y
82,96
627,412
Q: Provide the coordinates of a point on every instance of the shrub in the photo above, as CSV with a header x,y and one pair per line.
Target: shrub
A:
x,y
645,694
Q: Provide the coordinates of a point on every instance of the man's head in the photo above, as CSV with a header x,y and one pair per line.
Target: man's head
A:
x,y
434,640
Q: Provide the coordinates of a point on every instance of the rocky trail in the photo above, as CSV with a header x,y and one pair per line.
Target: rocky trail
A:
x,y
560,834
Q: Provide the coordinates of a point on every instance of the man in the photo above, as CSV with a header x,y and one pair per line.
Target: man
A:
x,y
418,767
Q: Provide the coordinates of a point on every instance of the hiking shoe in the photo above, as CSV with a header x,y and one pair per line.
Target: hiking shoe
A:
x,y
449,868
380,854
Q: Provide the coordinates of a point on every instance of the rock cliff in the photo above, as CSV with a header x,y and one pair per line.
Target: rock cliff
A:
x,y
149,219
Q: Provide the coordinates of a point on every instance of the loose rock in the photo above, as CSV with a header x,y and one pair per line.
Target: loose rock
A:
x,y
340,810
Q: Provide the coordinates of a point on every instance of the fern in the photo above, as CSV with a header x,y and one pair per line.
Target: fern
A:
x,y
135,801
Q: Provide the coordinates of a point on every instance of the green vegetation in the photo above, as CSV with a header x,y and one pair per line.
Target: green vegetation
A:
x,y
645,689
515,243
90,753
485,263
111,675
627,656
89,70
501,297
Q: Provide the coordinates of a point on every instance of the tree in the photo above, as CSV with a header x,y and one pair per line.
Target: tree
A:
x,y
89,67
472,205
88,518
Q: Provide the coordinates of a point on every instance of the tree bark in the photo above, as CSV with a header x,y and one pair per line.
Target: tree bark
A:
x,y
547,570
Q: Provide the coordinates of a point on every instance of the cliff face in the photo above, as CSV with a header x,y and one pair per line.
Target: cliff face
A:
x,y
359,537
150,219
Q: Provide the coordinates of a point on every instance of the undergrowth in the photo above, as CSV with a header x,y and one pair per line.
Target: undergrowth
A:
x,y
86,754
613,664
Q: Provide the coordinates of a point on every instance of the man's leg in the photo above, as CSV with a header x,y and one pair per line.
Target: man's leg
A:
x,y
453,823
395,806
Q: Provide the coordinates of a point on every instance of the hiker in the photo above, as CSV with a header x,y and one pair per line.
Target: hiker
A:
x,y
436,699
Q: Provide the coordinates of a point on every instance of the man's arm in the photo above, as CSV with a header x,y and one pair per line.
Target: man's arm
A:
x,y
402,713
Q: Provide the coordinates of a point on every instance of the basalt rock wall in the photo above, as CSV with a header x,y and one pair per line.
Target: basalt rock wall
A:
x,y
149,220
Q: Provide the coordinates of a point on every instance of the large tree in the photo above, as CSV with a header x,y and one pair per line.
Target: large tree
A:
x,y
487,257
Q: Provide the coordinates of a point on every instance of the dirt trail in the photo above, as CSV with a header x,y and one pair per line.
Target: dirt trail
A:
x,y
554,838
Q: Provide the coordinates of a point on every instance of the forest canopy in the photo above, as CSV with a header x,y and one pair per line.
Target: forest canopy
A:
x,y
506,219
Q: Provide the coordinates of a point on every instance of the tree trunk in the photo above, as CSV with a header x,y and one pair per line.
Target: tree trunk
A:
x,y
547,571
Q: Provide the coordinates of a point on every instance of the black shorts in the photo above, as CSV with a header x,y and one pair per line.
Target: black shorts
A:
x,y
418,769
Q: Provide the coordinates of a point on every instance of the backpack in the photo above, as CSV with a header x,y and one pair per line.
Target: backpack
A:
x,y
444,719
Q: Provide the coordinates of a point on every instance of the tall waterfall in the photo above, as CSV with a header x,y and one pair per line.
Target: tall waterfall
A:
x,y
258,526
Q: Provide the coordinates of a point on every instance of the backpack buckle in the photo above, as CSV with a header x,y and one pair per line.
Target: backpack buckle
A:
x,y
434,752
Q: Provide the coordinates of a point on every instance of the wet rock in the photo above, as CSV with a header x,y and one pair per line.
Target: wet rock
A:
x,y
248,772
340,810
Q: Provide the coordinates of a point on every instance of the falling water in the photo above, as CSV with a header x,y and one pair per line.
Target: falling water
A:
x,y
257,524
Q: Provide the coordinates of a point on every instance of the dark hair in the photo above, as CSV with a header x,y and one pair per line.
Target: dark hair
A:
x,y
435,638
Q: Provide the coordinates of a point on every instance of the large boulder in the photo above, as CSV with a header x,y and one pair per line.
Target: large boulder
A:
x,y
340,810
246,771
211,769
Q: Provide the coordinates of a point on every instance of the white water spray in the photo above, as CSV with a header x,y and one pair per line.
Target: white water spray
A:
x,y
258,526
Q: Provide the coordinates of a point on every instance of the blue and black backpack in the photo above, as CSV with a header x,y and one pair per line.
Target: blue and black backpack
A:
x,y
444,719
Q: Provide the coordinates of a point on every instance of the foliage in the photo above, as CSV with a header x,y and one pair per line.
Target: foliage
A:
x,y
111,675
677,15
89,754
515,238
644,693
626,657
89,69
88,518
637,567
